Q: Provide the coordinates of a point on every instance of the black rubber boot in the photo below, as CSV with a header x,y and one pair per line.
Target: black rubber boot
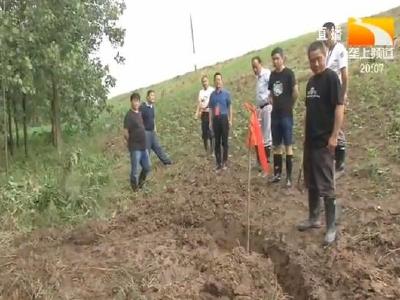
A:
x,y
134,186
330,217
289,167
314,209
268,153
142,179
277,168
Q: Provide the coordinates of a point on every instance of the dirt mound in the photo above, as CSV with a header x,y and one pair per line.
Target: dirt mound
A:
x,y
187,242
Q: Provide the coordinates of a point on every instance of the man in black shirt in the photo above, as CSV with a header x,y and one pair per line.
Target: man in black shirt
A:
x,y
135,137
324,117
152,141
283,94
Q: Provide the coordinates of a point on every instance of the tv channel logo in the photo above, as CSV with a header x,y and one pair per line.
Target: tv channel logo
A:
x,y
371,32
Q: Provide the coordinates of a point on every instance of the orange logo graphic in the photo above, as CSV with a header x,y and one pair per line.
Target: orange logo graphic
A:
x,y
368,32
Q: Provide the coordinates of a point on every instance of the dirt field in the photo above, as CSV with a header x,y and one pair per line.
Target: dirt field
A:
x,y
188,243
186,238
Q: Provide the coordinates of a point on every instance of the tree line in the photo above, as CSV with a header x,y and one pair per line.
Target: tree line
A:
x,y
50,70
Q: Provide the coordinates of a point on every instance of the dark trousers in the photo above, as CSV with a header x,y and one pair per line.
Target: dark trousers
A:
x,y
221,133
153,143
319,176
206,132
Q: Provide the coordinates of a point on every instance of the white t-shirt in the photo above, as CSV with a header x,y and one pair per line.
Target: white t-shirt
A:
x,y
262,91
336,59
204,98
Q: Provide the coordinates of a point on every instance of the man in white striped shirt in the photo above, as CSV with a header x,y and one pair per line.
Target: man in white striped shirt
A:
x,y
202,111
264,107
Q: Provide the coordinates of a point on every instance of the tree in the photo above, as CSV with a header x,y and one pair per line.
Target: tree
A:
x,y
49,60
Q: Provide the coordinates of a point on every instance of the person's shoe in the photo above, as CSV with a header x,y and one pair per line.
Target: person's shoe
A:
x,y
268,153
218,168
330,237
314,210
276,178
224,166
142,179
330,216
308,224
134,186
168,163
288,183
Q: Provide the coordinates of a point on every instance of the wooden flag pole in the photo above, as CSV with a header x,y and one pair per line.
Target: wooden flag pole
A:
x,y
248,201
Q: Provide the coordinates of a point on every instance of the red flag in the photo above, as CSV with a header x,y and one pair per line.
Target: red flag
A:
x,y
255,137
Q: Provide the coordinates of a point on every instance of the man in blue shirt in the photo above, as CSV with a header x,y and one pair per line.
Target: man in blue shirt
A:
x,y
220,120
152,141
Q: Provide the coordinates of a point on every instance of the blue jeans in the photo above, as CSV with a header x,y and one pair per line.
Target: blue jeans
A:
x,y
282,130
139,157
153,143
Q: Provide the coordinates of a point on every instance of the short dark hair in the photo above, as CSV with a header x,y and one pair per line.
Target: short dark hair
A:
x,y
329,25
149,92
135,96
217,74
277,50
315,46
257,58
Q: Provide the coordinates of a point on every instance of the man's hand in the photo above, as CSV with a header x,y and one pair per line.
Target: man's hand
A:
x,y
332,143
196,116
230,123
258,111
346,100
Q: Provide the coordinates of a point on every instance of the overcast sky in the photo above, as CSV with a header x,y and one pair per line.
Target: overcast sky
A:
x,y
158,40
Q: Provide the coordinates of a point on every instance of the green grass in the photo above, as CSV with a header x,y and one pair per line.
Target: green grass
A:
x,y
90,179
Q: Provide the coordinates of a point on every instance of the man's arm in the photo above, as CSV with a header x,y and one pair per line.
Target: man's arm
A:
x,y
126,135
210,114
295,91
270,98
335,92
198,107
196,114
126,126
210,117
339,115
230,115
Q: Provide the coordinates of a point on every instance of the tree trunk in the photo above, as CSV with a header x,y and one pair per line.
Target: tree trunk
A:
x,y
3,94
10,133
55,116
25,126
14,104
